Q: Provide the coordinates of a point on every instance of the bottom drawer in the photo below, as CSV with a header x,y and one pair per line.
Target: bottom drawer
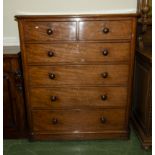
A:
x,y
78,120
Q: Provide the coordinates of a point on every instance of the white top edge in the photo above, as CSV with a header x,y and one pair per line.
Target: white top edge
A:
x,y
80,12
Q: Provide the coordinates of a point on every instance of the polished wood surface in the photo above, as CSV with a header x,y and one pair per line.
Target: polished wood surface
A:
x,y
82,16
14,115
142,107
80,78
78,97
102,30
77,53
90,121
48,31
142,94
143,89
78,75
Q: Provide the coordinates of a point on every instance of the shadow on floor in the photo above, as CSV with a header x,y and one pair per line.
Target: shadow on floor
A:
x,y
97,147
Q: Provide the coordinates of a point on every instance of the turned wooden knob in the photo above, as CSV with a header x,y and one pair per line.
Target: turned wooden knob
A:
x,y
54,121
103,120
49,31
105,52
50,53
51,76
104,97
105,30
53,98
104,75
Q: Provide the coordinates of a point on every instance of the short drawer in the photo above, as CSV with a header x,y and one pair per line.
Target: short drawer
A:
x,y
49,31
78,97
78,120
103,30
77,52
78,75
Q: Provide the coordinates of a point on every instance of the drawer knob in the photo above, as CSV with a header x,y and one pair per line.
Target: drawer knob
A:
x,y
104,97
103,120
53,98
51,76
50,53
55,121
105,52
104,75
49,31
105,30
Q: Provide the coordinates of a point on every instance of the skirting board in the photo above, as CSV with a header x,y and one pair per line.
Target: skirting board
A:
x,y
10,41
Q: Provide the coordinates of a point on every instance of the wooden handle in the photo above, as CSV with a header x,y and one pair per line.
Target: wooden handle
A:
x,y
51,76
103,119
49,31
104,97
54,121
50,53
53,98
104,75
105,52
106,30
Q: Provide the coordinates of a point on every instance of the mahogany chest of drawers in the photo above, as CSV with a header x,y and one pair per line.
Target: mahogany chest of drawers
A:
x,y
78,75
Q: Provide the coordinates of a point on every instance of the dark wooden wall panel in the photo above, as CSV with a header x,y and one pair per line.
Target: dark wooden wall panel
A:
x,y
14,114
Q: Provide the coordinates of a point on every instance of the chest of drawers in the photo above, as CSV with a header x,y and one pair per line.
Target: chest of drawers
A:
x,y
78,75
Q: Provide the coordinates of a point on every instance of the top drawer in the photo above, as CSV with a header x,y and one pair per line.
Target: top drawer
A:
x,y
49,31
103,30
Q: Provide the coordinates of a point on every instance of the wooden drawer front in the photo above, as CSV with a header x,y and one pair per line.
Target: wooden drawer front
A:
x,y
102,30
48,31
78,120
77,52
61,97
78,74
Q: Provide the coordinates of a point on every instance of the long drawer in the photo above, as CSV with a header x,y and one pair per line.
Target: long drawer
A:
x,y
78,97
78,75
106,29
49,31
77,52
78,120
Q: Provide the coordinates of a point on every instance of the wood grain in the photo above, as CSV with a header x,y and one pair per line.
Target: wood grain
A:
x,y
76,17
69,120
93,30
142,99
78,97
78,75
37,31
78,68
14,114
77,53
